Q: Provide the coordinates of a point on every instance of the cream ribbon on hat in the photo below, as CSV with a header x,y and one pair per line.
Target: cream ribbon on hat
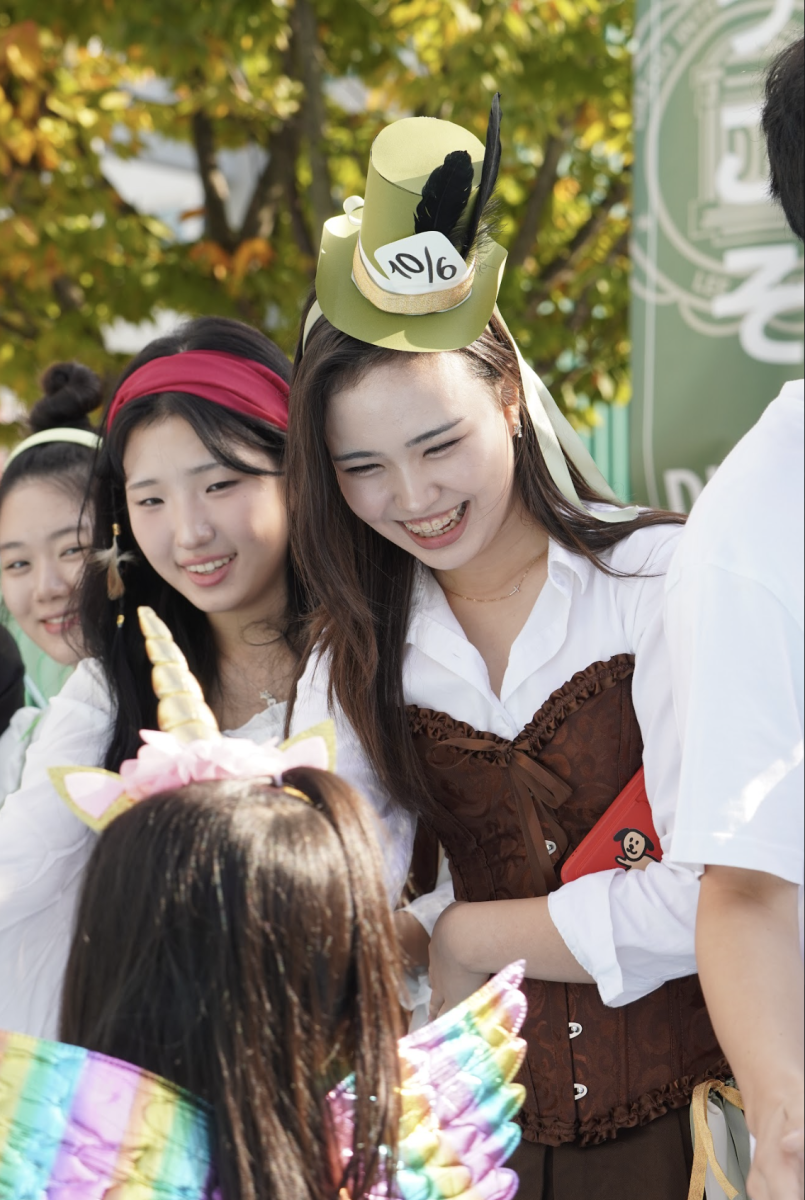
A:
x,y
557,438
559,442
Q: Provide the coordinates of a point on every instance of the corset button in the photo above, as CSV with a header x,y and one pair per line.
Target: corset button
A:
x,y
575,1029
551,847
580,1091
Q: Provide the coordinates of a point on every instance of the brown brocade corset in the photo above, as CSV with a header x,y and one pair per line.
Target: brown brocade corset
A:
x,y
508,814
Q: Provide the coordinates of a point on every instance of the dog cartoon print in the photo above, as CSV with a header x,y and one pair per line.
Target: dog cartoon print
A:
x,y
635,846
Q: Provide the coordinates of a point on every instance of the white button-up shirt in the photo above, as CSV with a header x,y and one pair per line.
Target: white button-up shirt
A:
x,y
632,931
734,618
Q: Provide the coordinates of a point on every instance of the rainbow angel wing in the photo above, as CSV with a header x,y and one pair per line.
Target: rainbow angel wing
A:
x,y
457,1129
81,1125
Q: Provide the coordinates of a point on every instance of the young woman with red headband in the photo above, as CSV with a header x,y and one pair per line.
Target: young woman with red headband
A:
x,y
190,520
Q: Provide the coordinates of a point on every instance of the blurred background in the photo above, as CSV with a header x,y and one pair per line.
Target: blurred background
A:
x,y
174,157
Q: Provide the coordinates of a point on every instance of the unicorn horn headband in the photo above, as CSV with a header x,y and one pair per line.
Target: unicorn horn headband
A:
x,y
412,266
188,748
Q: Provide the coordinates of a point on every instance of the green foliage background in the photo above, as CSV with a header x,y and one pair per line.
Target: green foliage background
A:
x,y
74,79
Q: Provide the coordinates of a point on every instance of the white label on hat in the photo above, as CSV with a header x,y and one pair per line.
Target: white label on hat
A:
x,y
426,262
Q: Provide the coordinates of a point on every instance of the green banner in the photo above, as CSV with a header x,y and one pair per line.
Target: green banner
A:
x,y
717,283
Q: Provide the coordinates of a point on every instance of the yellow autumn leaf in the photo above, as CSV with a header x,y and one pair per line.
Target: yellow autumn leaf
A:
x,y
22,144
20,47
114,101
25,231
255,252
595,132
567,189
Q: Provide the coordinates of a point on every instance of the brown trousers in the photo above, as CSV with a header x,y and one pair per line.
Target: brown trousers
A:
x,y
650,1163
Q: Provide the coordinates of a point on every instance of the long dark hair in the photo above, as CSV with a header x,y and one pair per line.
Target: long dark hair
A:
x,y
70,392
119,646
363,582
237,940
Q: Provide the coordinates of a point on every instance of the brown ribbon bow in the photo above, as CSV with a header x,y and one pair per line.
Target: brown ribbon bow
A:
x,y
537,792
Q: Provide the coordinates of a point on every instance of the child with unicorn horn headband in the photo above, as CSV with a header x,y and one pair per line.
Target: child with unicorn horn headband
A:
x,y
230,1016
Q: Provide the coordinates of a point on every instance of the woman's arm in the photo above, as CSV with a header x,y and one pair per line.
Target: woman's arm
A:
x,y
751,970
634,930
473,941
43,850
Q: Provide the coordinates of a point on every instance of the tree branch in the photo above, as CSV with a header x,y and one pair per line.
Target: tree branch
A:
x,y
540,195
216,225
29,331
561,269
308,56
261,214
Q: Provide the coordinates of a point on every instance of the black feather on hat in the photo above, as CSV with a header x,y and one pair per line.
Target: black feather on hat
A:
x,y
448,189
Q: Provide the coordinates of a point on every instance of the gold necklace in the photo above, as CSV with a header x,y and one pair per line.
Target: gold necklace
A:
x,y
508,596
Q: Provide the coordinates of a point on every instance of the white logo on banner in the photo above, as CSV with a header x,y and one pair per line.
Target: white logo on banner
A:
x,y
721,285
751,43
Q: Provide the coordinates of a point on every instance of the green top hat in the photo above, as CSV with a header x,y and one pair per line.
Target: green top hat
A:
x,y
410,267
413,267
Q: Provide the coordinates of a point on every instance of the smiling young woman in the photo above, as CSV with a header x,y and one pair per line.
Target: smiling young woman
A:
x,y
190,520
490,642
45,533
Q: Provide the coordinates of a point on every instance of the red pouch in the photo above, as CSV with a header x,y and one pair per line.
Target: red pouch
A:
x,y
624,837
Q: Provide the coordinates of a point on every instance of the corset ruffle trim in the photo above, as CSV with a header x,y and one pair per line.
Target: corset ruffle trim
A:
x,y
541,729
646,1108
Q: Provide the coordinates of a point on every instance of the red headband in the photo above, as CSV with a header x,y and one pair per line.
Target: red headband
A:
x,y
236,383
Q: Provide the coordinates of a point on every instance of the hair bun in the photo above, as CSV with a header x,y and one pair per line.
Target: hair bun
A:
x,y
71,392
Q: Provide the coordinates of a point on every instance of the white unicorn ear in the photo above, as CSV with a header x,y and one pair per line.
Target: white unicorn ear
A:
x,y
314,747
95,796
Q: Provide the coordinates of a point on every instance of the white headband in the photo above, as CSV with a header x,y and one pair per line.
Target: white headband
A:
x,y
79,437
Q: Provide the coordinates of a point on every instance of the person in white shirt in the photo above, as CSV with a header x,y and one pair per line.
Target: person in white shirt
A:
x,y
45,520
490,644
734,621
191,496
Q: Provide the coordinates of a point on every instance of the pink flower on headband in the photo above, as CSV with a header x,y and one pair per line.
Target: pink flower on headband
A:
x,y
163,764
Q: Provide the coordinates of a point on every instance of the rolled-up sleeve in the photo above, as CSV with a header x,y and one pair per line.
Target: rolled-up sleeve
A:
x,y
634,930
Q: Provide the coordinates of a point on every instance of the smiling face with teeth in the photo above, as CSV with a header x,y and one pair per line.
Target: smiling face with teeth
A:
x,y
42,552
217,535
423,452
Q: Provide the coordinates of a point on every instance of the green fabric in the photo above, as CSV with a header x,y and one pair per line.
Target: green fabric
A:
x,y
44,677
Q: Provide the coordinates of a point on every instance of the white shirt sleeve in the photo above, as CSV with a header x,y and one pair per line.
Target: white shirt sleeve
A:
x,y
428,908
634,930
43,851
395,826
738,683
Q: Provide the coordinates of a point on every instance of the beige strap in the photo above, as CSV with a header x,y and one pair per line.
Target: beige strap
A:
x,y
557,439
704,1150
